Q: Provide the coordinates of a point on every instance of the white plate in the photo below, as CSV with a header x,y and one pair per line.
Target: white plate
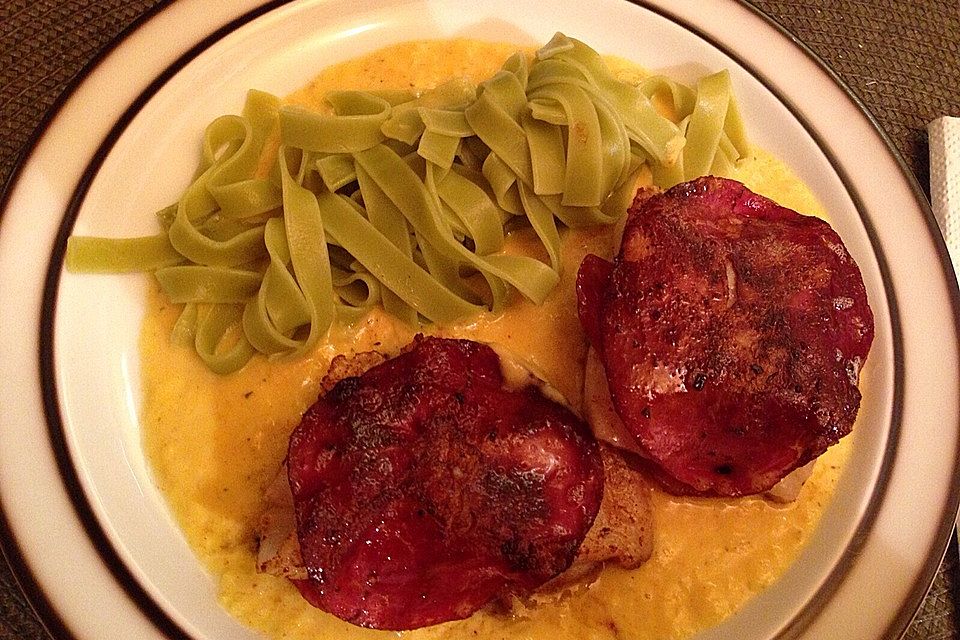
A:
x,y
86,529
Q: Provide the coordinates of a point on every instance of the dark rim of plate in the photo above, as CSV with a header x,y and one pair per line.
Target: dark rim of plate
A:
x,y
150,608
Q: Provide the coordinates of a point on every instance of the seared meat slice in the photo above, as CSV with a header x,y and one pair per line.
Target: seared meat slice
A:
x,y
278,550
424,488
732,331
609,429
622,533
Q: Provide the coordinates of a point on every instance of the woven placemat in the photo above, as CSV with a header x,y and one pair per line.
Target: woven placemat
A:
x,y
902,58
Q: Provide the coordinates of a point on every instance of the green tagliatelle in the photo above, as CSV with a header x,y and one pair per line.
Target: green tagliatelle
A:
x,y
404,200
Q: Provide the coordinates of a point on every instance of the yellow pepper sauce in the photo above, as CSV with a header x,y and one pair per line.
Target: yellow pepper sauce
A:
x,y
215,442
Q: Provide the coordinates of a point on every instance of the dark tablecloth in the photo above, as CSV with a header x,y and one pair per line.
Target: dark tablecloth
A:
x,y
901,57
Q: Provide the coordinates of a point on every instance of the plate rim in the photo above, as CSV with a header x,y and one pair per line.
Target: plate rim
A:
x,y
10,545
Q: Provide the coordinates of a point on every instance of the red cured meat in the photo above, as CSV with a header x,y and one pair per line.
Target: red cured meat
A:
x,y
423,489
732,331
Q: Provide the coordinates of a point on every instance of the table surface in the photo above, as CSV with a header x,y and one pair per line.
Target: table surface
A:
x,y
900,57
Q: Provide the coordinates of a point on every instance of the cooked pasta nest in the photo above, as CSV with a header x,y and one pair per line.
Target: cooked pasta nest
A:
x,y
296,218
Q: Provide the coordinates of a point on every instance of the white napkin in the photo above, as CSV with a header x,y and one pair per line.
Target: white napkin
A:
x,y
945,181
945,187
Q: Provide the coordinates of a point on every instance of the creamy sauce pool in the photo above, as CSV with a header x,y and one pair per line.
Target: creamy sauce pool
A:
x,y
215,442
